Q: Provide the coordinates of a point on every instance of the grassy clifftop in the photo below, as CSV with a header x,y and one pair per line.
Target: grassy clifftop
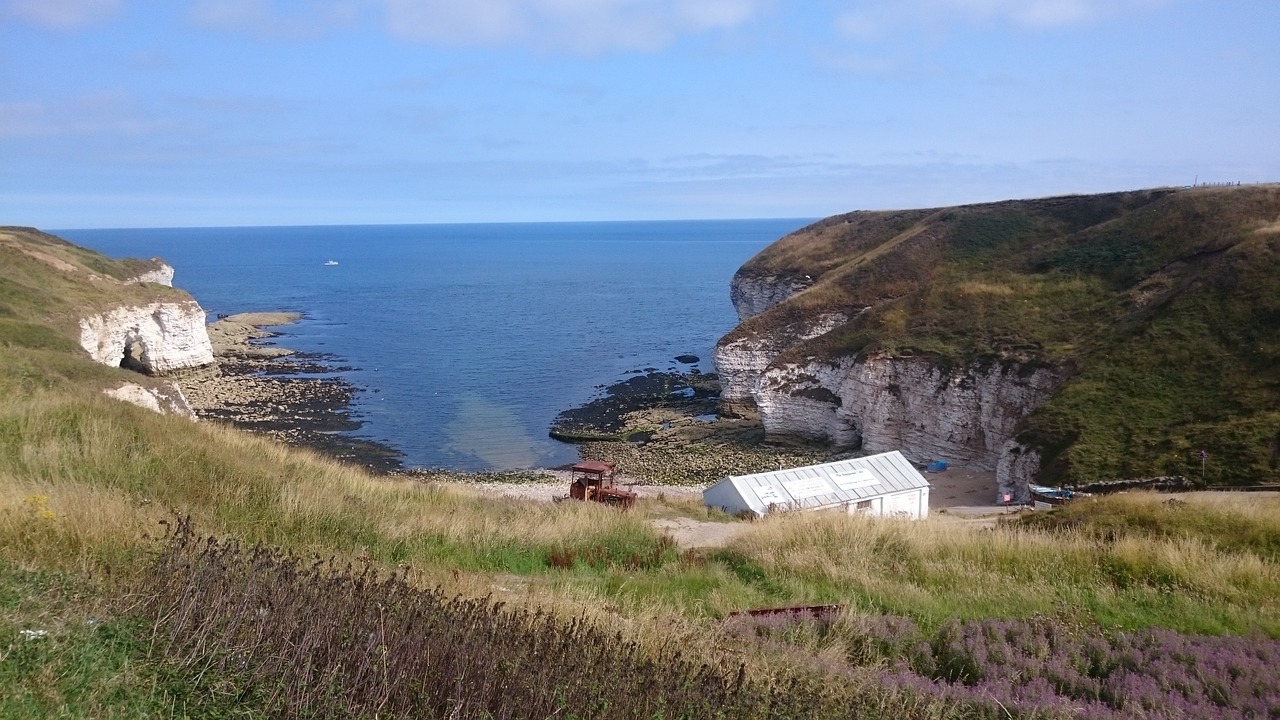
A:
x,y
48,284
1165,303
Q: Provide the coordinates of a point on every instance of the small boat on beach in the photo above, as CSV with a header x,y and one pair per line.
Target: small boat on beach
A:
x,y
1041,494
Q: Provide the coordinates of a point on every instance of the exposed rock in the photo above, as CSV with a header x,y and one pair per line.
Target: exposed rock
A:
x,y
687,359
161,274
753,294
166,399
605,417
1085,303
913,404
739,363
1018,466
286,395
158,339
234,335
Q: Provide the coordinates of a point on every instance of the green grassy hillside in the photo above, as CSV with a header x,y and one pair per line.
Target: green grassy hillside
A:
x,y
47,283
1165,304
327,592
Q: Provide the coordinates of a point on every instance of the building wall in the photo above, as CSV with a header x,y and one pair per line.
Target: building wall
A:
x,y
912,503
725,496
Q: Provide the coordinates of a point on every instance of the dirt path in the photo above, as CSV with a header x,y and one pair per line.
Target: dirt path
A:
x,y
690,533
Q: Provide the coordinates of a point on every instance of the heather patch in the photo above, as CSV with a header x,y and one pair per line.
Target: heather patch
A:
x,y
1040,664
324,639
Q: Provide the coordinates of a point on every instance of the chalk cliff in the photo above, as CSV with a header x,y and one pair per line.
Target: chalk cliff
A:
x,y
926,410
123,313
158,338
753,294
877,402
165,398
1064,340
159,272
740,362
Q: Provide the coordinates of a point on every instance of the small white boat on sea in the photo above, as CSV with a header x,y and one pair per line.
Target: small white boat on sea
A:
x,y
330,262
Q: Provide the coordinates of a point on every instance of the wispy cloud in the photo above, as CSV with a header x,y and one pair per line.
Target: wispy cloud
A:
x,y
574,26
106,113
875,20
61,14
890,37
577,26
278,18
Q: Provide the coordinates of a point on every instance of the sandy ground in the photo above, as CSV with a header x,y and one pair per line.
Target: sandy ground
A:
x,y
959,492
690,533
964,492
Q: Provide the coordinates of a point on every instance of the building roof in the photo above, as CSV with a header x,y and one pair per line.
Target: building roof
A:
x,y
833,483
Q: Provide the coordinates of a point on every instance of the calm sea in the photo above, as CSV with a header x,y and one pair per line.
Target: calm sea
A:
x,y
467,340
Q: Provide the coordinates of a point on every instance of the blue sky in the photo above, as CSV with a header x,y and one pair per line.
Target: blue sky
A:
x,y
132,113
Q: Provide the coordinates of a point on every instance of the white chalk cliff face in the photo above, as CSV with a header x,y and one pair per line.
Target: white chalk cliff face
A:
x,y
161,274
740,363
166,399
752,295
1018,466
968,414
157,339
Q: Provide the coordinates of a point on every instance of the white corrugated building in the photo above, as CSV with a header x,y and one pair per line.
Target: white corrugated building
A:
x,y
884,484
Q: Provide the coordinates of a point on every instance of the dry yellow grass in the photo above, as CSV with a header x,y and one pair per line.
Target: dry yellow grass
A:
x,y
84,479
942,568
975,287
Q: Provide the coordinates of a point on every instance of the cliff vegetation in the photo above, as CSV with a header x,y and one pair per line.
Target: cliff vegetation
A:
x,y
47,283
1162,307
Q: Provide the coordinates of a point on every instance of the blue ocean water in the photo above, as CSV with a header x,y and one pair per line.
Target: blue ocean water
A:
x,y
467,340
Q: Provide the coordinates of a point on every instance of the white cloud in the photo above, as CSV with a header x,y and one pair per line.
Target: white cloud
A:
x,y
875,20
580,26
277,18
61,14
1029,13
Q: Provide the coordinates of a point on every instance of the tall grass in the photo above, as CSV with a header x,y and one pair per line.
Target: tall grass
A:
x,y
106,469
300,639
937,570
84,480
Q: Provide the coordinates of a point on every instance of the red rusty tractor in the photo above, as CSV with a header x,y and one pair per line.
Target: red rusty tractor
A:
x,y
593,480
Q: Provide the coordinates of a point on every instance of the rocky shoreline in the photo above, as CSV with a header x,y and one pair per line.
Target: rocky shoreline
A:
x,y
293,397
660,428
663,428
